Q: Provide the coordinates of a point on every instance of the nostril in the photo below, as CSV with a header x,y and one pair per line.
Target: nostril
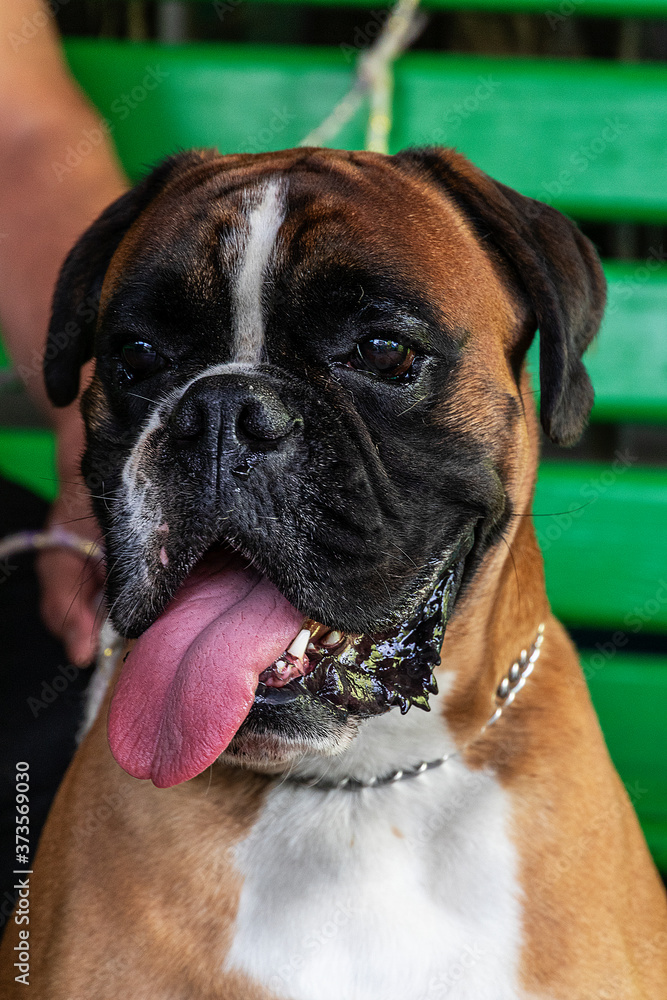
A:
x,y
263,421
187,423
232,412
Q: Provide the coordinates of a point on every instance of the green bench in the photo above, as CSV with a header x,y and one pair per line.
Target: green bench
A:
x,y
587,136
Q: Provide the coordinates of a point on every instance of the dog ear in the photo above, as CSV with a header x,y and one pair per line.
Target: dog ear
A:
x,y
558,269
69,342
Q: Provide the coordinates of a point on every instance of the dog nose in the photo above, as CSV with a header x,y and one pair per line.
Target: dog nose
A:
x,y
244,412
263,419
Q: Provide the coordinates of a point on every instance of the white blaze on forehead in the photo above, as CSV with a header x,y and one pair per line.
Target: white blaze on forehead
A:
x,y
264,217
251,247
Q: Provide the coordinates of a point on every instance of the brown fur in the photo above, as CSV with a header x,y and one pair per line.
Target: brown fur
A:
x,y
594,905
109,893
150,878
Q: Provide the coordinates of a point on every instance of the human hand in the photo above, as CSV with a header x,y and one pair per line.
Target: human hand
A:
x,y
72,586
42,114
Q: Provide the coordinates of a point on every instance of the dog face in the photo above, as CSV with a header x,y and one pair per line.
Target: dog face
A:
x,y
307,412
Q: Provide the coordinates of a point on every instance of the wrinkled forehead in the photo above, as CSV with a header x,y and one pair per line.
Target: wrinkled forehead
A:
x,y
254,224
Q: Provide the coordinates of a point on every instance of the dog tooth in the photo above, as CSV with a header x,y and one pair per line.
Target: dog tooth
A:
x,y
298,647
331,638
280,667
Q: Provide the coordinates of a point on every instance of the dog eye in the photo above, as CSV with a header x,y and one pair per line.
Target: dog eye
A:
x,y
141,359
387,358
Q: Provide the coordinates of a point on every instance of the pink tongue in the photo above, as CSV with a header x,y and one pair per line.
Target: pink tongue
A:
x,y
189,681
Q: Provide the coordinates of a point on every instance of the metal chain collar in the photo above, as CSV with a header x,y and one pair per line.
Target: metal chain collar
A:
x,y
505,694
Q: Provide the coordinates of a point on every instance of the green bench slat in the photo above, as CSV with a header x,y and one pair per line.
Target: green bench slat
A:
x,y
604,536
282,93
603,531
236,98
627,362
629,693
564,8
630,696
571,133
28,457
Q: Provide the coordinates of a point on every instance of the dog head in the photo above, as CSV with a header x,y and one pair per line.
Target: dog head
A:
x,y
308,420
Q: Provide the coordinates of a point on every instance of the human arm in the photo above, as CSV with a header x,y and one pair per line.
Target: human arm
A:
x,y
43,210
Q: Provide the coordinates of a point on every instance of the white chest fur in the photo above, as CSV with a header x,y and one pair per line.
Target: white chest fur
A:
x,y
407,892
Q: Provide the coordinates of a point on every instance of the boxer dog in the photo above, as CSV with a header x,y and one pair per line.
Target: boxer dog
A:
x,y
317,440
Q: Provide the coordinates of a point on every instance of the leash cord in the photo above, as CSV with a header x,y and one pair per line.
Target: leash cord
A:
x,y
34,541
374,76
